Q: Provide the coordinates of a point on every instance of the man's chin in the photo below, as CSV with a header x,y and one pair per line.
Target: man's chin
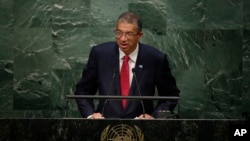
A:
x,y
125,51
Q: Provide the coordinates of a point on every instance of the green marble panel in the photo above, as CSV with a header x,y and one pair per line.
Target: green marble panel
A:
x,y
103,19
6,73
246,14
34,57
6,16
224,14
33,51
33,92
63,83
245,94
67,14
186,14
32,13
225,89
6,88
147,10
71,44
185,48
193,99
246,50
6,36
6,59
157,41
100,35
105,13
223,50
246,72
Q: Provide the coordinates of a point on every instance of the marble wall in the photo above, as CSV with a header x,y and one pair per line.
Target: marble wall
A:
x,y
44,44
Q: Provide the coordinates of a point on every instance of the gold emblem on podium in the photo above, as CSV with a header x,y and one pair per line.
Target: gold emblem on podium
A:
x,y
122,132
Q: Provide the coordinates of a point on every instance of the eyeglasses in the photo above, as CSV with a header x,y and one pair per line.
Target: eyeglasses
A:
x,y
128,35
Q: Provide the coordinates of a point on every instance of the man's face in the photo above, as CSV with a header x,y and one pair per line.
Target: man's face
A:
x,y
127,36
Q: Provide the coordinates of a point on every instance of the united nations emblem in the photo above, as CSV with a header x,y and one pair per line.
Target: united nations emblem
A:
x,y
122,132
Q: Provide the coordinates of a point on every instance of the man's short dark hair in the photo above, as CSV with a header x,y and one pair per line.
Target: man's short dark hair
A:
x,y
131,17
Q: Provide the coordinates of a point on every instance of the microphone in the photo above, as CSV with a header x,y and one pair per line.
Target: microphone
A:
x,y
109,90
137,85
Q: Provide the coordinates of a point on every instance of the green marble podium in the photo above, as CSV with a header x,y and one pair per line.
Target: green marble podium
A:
x,y
76,129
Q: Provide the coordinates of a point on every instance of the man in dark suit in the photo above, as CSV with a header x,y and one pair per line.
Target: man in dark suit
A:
x,y
108,73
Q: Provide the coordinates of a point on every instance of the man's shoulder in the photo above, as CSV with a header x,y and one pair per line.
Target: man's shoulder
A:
x,y
106,48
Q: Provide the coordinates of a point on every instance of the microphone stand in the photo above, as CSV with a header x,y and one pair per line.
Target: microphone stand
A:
x,y
137,85
109,90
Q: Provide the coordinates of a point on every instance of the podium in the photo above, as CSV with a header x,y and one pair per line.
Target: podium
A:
x,y
80,129
76,129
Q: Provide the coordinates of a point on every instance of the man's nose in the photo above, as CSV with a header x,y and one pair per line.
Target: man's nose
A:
x,y
123,37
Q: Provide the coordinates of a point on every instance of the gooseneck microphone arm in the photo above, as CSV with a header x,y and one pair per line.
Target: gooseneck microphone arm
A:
x,y
108,93
138,88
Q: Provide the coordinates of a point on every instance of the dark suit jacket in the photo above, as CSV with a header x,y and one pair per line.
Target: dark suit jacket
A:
x,y
102,74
